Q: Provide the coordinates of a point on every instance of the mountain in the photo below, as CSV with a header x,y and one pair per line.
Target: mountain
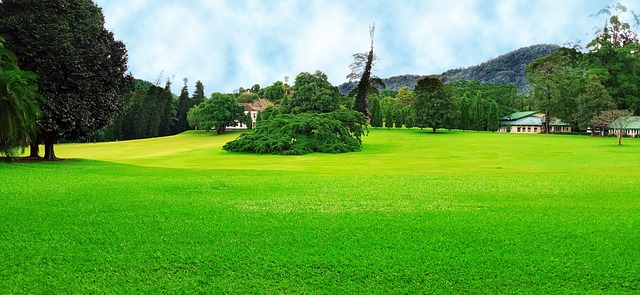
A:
x,y
505,69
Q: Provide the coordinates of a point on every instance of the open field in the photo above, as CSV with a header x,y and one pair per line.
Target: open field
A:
x,y
413,212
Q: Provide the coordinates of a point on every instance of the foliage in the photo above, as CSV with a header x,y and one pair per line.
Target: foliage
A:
x,y
376,112
18,103
335,132
465,113
312,94
81,67
617,120
361,103
593,100
274,92
555,82
198,95
194,117
434,105
219,112
493,119
184,104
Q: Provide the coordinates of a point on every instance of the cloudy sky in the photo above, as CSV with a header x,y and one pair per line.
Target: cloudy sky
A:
x,y
238,43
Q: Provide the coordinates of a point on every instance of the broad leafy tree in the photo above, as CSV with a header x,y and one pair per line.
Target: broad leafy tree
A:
x,y
80,65
18,103
434,105
555,82
219,112
275,92
613,56
592,101
312,93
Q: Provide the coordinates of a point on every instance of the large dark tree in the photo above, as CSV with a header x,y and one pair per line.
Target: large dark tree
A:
x,y
184,104
361,103
434,104
81,67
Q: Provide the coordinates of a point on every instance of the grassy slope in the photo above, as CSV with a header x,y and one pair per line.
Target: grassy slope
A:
x,y
413,212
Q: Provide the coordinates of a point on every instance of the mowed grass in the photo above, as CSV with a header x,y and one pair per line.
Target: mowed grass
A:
x,y
413,212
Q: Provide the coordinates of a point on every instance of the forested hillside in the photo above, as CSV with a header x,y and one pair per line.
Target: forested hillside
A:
x,y
504,69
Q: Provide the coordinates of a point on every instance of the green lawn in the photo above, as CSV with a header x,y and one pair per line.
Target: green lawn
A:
x,y
413,212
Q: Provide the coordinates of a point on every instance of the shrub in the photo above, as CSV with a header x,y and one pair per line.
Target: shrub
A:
x,y
286,134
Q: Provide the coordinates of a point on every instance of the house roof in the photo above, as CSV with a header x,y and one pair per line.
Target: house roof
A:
x,y
517,116
634,123
528,119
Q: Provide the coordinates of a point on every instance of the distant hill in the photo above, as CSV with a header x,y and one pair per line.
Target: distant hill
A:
x,y
505,69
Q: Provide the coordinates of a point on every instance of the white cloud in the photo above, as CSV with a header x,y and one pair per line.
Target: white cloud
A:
x,y
231,44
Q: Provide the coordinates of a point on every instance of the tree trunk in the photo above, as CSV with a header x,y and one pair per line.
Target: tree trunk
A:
x,y
619,137
434,130
34,150
49,154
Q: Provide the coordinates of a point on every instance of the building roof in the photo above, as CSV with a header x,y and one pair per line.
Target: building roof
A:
x,y
528,119
517,116
634,123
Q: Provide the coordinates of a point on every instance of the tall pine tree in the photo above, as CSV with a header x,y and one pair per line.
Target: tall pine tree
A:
x,y
376,112
184,104
361,103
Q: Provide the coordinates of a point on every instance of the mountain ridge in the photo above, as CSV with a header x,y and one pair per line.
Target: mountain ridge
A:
x,y
505,69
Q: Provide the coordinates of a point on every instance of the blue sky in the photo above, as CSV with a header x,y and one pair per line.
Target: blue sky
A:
x,y
238,43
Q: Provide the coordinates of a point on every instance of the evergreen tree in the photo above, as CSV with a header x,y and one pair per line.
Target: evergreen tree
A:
x,y
493,119
198,94
184,104
465,113
361,103
376,112
478,115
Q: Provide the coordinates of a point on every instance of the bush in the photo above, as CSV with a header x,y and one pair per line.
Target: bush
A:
x,y
336,132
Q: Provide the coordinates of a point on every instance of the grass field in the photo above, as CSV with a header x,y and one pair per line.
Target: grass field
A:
x,y
413,212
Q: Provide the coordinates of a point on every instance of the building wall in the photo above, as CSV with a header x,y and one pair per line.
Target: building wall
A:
x,y
566,129
526,129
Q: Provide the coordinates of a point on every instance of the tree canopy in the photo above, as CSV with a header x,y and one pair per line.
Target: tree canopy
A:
x,y
434,105
18,103
298,134
81,66
312,93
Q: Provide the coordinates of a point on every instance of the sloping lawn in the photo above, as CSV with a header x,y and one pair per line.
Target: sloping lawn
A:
x,y
413,212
